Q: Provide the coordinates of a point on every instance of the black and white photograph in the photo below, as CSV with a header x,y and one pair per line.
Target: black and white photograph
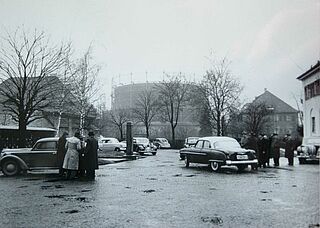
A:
x,y
159,113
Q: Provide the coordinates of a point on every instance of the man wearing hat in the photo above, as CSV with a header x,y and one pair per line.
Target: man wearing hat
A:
x,y
91,156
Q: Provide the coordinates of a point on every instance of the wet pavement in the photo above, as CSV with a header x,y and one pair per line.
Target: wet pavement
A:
x,y
158,191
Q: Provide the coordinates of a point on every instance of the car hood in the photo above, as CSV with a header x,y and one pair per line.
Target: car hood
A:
x,y
11,151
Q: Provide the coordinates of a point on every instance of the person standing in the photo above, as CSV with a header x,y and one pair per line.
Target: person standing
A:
x,y
252,144
275,149
289,149
71,159
91,156
61,151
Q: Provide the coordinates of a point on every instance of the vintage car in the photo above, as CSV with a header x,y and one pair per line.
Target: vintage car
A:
x,y
308,153
110,144
143,145
161,143
43,155
219,151
190,141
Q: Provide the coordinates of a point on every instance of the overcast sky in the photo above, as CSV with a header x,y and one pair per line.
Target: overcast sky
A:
x,y
269,42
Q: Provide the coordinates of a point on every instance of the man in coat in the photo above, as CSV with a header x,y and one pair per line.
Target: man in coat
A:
x,y
91,156
61,151
252,143
289,149
275,149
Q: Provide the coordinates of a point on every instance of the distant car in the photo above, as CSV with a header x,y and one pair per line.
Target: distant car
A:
x,y
190,141
143,145
110,144
308,154
161,143
43,155
219,151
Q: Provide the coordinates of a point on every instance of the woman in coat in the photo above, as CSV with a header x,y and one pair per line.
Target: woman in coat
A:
x,y
71,159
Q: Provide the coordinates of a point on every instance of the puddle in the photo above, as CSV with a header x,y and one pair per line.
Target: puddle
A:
x,y
294,186
23,186
59,186
314,225
59,196
212,189
86,190
152,178
191,175
149,191
44,187
71,211
265,191
266,199
177,175
214,220
128,187
82,199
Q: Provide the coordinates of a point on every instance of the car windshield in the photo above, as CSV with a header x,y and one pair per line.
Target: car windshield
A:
x,y
226,144
142,140
192,140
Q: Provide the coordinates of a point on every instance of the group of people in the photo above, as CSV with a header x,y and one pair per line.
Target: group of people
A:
x,y
268,148
77,158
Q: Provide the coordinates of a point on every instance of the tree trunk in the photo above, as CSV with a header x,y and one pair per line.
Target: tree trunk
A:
x,y
22,133
173,135
59,123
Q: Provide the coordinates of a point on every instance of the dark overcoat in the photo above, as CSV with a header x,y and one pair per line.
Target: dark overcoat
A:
x,y
275,148
252,143
91,153
289,148
61,150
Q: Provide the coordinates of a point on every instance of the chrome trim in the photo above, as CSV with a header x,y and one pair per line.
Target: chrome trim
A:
x,y
220,161
229,162
193,153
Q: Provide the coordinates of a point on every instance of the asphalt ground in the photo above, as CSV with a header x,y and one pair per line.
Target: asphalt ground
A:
x,y
159,191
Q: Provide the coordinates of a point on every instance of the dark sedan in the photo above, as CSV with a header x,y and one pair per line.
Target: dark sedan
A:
x,y
219,151
43,155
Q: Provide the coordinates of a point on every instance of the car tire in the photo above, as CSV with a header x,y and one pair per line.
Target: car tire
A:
x,y
154,153
10,167
186,161
302,161
215,166
159,147
241,167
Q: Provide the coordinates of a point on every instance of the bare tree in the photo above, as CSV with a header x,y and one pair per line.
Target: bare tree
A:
x,y
173,95
220,92
118,118
27,66
85,88
146,107
256,117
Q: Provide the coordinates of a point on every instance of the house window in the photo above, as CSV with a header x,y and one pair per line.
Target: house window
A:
x,y
313,124
289,118
312,89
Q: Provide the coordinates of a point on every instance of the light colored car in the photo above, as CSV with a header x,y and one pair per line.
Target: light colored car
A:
x,y
110,144
190,141
143,145
162,143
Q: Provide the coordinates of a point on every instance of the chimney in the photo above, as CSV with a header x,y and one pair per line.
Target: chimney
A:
x,y
265,90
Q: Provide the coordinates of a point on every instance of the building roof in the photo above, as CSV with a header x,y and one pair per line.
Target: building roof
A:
x,y
314,69
271,100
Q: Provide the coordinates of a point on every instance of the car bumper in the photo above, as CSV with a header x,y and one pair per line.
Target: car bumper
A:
x,y
244,162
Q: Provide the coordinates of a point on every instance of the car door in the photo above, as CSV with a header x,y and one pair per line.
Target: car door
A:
x,y
206,149
195,153
43,154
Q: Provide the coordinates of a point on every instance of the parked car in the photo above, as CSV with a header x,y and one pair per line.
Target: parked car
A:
x,y
143,145
162,143
190,141
308,154
43,155
110,144
219,151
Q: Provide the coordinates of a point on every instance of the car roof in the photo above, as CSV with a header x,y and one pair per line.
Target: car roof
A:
x,y
48,139
217,138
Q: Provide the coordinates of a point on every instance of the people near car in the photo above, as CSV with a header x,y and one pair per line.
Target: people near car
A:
x,y
252,144
82,159
263,145
71,159
61,151
275,146
289,149
91,156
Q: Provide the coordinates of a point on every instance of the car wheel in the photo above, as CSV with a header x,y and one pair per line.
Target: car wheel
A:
x,y
10,167
187,161
215,166
159,147
154,153
117,149
241,167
